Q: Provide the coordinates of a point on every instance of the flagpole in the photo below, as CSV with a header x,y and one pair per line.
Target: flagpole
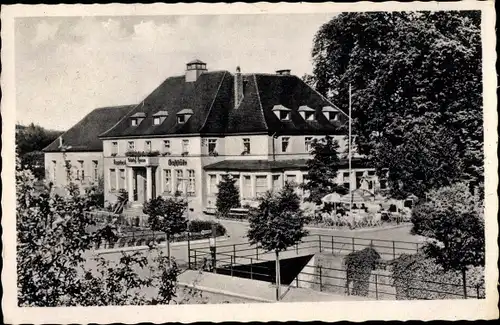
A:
x,y
350,153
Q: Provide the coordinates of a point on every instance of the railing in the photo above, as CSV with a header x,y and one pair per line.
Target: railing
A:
x,y
244,260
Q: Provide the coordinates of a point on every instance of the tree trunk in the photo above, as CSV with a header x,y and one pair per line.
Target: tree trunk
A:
x,y
278,276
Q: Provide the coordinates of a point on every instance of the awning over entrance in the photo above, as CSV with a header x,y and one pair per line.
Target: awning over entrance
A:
x,y
270,165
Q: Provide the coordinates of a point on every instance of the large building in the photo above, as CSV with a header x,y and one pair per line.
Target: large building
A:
x,y
196,127
77,154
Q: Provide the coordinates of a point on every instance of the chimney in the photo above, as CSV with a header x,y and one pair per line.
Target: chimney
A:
x,y
238,88
60,142
284,72
194,69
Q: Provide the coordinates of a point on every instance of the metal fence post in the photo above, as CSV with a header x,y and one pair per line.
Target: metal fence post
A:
x,y
234,252
477,290
319,243
231,265
376,286
189,253
393,249
417,247
464,284
333,245
320,279
353,247
257,252
297,282
251,269
195,260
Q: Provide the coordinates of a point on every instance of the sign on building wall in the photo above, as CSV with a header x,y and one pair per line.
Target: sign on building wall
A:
x,y
177,162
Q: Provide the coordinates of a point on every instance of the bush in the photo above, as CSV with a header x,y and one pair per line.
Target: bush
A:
x,y
359,266
418,277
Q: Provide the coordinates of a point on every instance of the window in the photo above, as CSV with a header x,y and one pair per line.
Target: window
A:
x,y
166,145
156,121
54,171
309,116
147,145
246,145
284,144
95,165
212,184
359,177
284,115
291,179
179,177
276,182
112,179
247,187
191,182
212,145
181,118
80,173
121,179
371,173
345,180
134,122
167,185
308,143
185,146
67,166
131,145
114,148
260,185
383,184
334,116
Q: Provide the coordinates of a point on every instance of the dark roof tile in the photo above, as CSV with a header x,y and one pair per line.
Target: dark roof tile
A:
x,y
83,136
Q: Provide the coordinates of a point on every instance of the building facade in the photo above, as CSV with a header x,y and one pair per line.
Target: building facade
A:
x,y
77,155
196,127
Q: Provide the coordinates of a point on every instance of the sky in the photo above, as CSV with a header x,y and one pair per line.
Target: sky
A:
x,y
67,66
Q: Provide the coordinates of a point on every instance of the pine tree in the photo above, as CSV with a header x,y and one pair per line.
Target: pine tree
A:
x,y
228,196
322,170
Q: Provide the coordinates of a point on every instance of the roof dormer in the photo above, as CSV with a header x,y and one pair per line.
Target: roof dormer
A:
x,y
332,114
184,115
194,69
159,117
306,112
282,112
137,118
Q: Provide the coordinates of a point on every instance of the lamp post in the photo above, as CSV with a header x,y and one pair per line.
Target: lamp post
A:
x,y
350,152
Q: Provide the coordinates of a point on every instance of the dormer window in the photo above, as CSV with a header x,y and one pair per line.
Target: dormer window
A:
x,y
282,112
159,117
137,118
184,115
307,113
331,113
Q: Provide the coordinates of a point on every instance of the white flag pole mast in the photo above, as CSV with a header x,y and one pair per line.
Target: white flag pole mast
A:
x,y
350,153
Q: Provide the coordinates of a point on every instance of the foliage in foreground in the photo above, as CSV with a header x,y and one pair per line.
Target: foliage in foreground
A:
x,y
53,246
418,277
453,220
359,266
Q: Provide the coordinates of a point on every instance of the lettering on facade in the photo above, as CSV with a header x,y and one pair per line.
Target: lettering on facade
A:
x,y
136,160
119,162
177,162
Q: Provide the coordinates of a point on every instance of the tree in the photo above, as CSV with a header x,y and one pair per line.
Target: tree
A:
x,y
453,220
406,91
30,141
322,170
228,196
53,235
277,223
167,215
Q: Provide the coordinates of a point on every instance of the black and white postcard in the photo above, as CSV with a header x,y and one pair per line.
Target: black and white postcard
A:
x,y
338,161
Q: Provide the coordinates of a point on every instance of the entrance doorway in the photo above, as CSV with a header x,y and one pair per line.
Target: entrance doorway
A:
x,y
140,184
